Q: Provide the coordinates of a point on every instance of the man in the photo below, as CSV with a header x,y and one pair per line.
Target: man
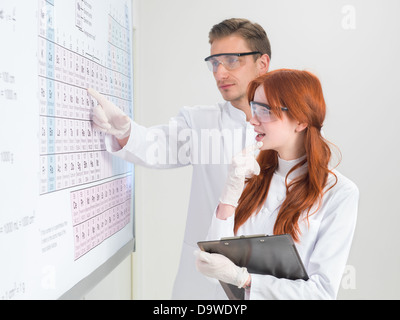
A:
x,y
240,51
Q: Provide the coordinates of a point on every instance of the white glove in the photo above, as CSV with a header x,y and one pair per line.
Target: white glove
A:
x,y
108,118
244,165
220,267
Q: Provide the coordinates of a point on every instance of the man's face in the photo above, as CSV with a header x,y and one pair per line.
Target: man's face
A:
x,y
233,84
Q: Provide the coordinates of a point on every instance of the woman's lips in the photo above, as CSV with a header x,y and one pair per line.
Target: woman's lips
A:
x,y
260,137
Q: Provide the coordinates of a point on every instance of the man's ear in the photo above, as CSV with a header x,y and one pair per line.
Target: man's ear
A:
x,y
263,63
301,127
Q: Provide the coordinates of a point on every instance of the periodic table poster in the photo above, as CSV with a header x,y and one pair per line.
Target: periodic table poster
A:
x,y
66,204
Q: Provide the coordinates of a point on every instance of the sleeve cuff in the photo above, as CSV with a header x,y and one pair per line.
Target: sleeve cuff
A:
x,y
221,228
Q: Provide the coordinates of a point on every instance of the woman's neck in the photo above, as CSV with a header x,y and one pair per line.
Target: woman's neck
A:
x,y
284,166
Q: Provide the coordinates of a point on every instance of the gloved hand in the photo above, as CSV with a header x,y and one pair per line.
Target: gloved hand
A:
x,y
243,166
220,267
108,118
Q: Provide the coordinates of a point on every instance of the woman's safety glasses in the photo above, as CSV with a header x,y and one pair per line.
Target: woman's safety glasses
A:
x,y
229,60
263,112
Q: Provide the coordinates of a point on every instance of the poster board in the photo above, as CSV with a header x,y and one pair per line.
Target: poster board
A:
x,y
66,204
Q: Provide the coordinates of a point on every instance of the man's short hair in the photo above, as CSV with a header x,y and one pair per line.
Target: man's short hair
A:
x,y
252,33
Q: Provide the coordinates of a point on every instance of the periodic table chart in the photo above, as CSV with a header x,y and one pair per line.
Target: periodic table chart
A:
x,y
77,208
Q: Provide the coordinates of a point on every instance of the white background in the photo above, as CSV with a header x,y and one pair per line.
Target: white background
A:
x,y
359,69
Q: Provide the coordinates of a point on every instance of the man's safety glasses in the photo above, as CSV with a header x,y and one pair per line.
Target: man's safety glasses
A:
x,y
229,60
263,112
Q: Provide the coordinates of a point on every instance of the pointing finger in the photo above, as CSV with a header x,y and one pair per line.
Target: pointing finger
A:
x,y
98,96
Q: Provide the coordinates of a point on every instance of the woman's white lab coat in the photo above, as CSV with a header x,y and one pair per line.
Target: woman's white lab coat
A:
x,y
324,243
206,137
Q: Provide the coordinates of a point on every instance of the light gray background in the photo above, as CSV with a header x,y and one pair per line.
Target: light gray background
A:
x,y
358,64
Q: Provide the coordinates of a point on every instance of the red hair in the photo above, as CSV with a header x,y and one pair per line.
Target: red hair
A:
x,y
301,93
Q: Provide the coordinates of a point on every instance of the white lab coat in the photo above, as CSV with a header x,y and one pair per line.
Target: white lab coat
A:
x,y
324,243
186,137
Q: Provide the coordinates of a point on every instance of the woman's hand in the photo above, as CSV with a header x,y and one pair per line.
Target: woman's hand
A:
x,y
244,165
220,267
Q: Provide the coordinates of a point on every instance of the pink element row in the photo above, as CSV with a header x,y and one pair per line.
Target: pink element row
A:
x,y
99,212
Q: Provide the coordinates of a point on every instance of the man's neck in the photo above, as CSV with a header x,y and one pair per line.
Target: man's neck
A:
x,y
244,106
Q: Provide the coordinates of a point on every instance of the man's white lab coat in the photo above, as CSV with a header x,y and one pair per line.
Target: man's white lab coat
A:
x,y
206,137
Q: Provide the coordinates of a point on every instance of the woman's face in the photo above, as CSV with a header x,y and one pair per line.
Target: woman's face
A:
x,y
286,136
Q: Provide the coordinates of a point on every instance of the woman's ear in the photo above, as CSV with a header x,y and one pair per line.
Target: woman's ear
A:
x,y
301,127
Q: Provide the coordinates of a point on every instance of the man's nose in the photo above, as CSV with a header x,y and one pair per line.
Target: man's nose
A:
x,y
220,72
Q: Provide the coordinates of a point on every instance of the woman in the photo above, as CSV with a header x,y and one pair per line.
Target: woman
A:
x,y
292,191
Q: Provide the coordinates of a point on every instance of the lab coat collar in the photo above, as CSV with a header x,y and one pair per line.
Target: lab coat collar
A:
x,y
235,113
284,167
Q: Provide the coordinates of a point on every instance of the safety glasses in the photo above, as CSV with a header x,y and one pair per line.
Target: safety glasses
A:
x,y
263,112
229,60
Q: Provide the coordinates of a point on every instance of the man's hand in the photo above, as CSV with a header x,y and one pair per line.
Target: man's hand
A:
x,y
108,118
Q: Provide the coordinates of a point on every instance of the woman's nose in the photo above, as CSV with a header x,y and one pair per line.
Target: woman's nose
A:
x,y
254,121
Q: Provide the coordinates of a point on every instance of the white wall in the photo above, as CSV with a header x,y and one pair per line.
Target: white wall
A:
x,y
358,64
116,286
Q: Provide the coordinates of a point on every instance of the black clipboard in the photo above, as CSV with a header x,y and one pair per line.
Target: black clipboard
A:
x,y
260,254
